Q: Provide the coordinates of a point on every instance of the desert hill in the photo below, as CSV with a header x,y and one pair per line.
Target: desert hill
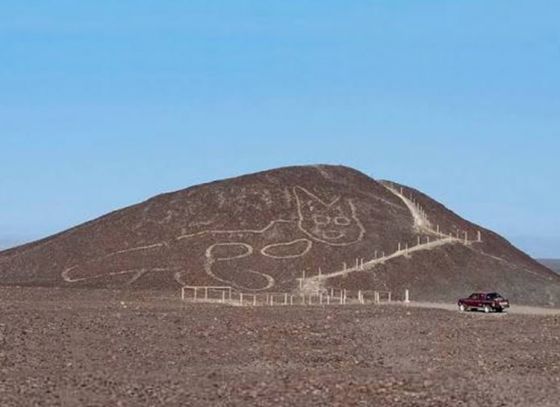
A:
x,y
553,264
265,231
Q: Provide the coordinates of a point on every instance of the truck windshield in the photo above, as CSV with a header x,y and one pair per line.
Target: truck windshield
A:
x,y
493,296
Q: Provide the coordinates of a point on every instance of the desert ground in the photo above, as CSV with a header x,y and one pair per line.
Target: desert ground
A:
x,y
70,347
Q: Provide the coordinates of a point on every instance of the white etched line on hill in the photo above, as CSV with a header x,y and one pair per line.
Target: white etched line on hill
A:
x,y
421,224
135,249
421,221
368,265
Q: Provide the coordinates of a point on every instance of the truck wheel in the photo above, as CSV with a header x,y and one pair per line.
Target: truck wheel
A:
x,y
487,309
462,308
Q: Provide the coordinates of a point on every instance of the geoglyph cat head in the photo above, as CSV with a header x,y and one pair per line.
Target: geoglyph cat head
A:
x,y
333,223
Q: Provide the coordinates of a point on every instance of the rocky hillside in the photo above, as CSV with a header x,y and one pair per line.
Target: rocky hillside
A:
x,y
553,264
283,230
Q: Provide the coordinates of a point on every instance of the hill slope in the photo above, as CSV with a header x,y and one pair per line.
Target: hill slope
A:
x,y
553,264
262,231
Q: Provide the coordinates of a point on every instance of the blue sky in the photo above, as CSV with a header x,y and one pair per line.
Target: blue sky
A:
x,y
106,103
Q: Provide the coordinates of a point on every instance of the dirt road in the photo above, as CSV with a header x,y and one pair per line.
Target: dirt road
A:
x,y
514,309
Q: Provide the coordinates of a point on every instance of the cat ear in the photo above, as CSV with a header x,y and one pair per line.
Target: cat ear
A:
x,y
344,207
307,202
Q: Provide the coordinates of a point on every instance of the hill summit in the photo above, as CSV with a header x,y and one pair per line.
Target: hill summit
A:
x,y
288,229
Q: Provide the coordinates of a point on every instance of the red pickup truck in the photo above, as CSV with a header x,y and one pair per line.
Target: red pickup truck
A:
x,y
487,302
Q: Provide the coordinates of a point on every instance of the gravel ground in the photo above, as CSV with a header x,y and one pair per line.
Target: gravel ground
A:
x,y
96,348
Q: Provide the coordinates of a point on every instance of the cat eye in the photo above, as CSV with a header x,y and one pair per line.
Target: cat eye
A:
x,y
321,219
341,220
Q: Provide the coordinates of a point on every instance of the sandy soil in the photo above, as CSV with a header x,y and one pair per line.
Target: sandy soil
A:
x,y
98,347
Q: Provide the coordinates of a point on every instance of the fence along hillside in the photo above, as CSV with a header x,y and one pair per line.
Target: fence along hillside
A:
x,y
229,295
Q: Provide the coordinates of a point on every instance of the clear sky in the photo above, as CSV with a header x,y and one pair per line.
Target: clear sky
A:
x,y
106,103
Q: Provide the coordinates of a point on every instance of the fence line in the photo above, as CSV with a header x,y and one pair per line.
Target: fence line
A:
x,y
331,296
